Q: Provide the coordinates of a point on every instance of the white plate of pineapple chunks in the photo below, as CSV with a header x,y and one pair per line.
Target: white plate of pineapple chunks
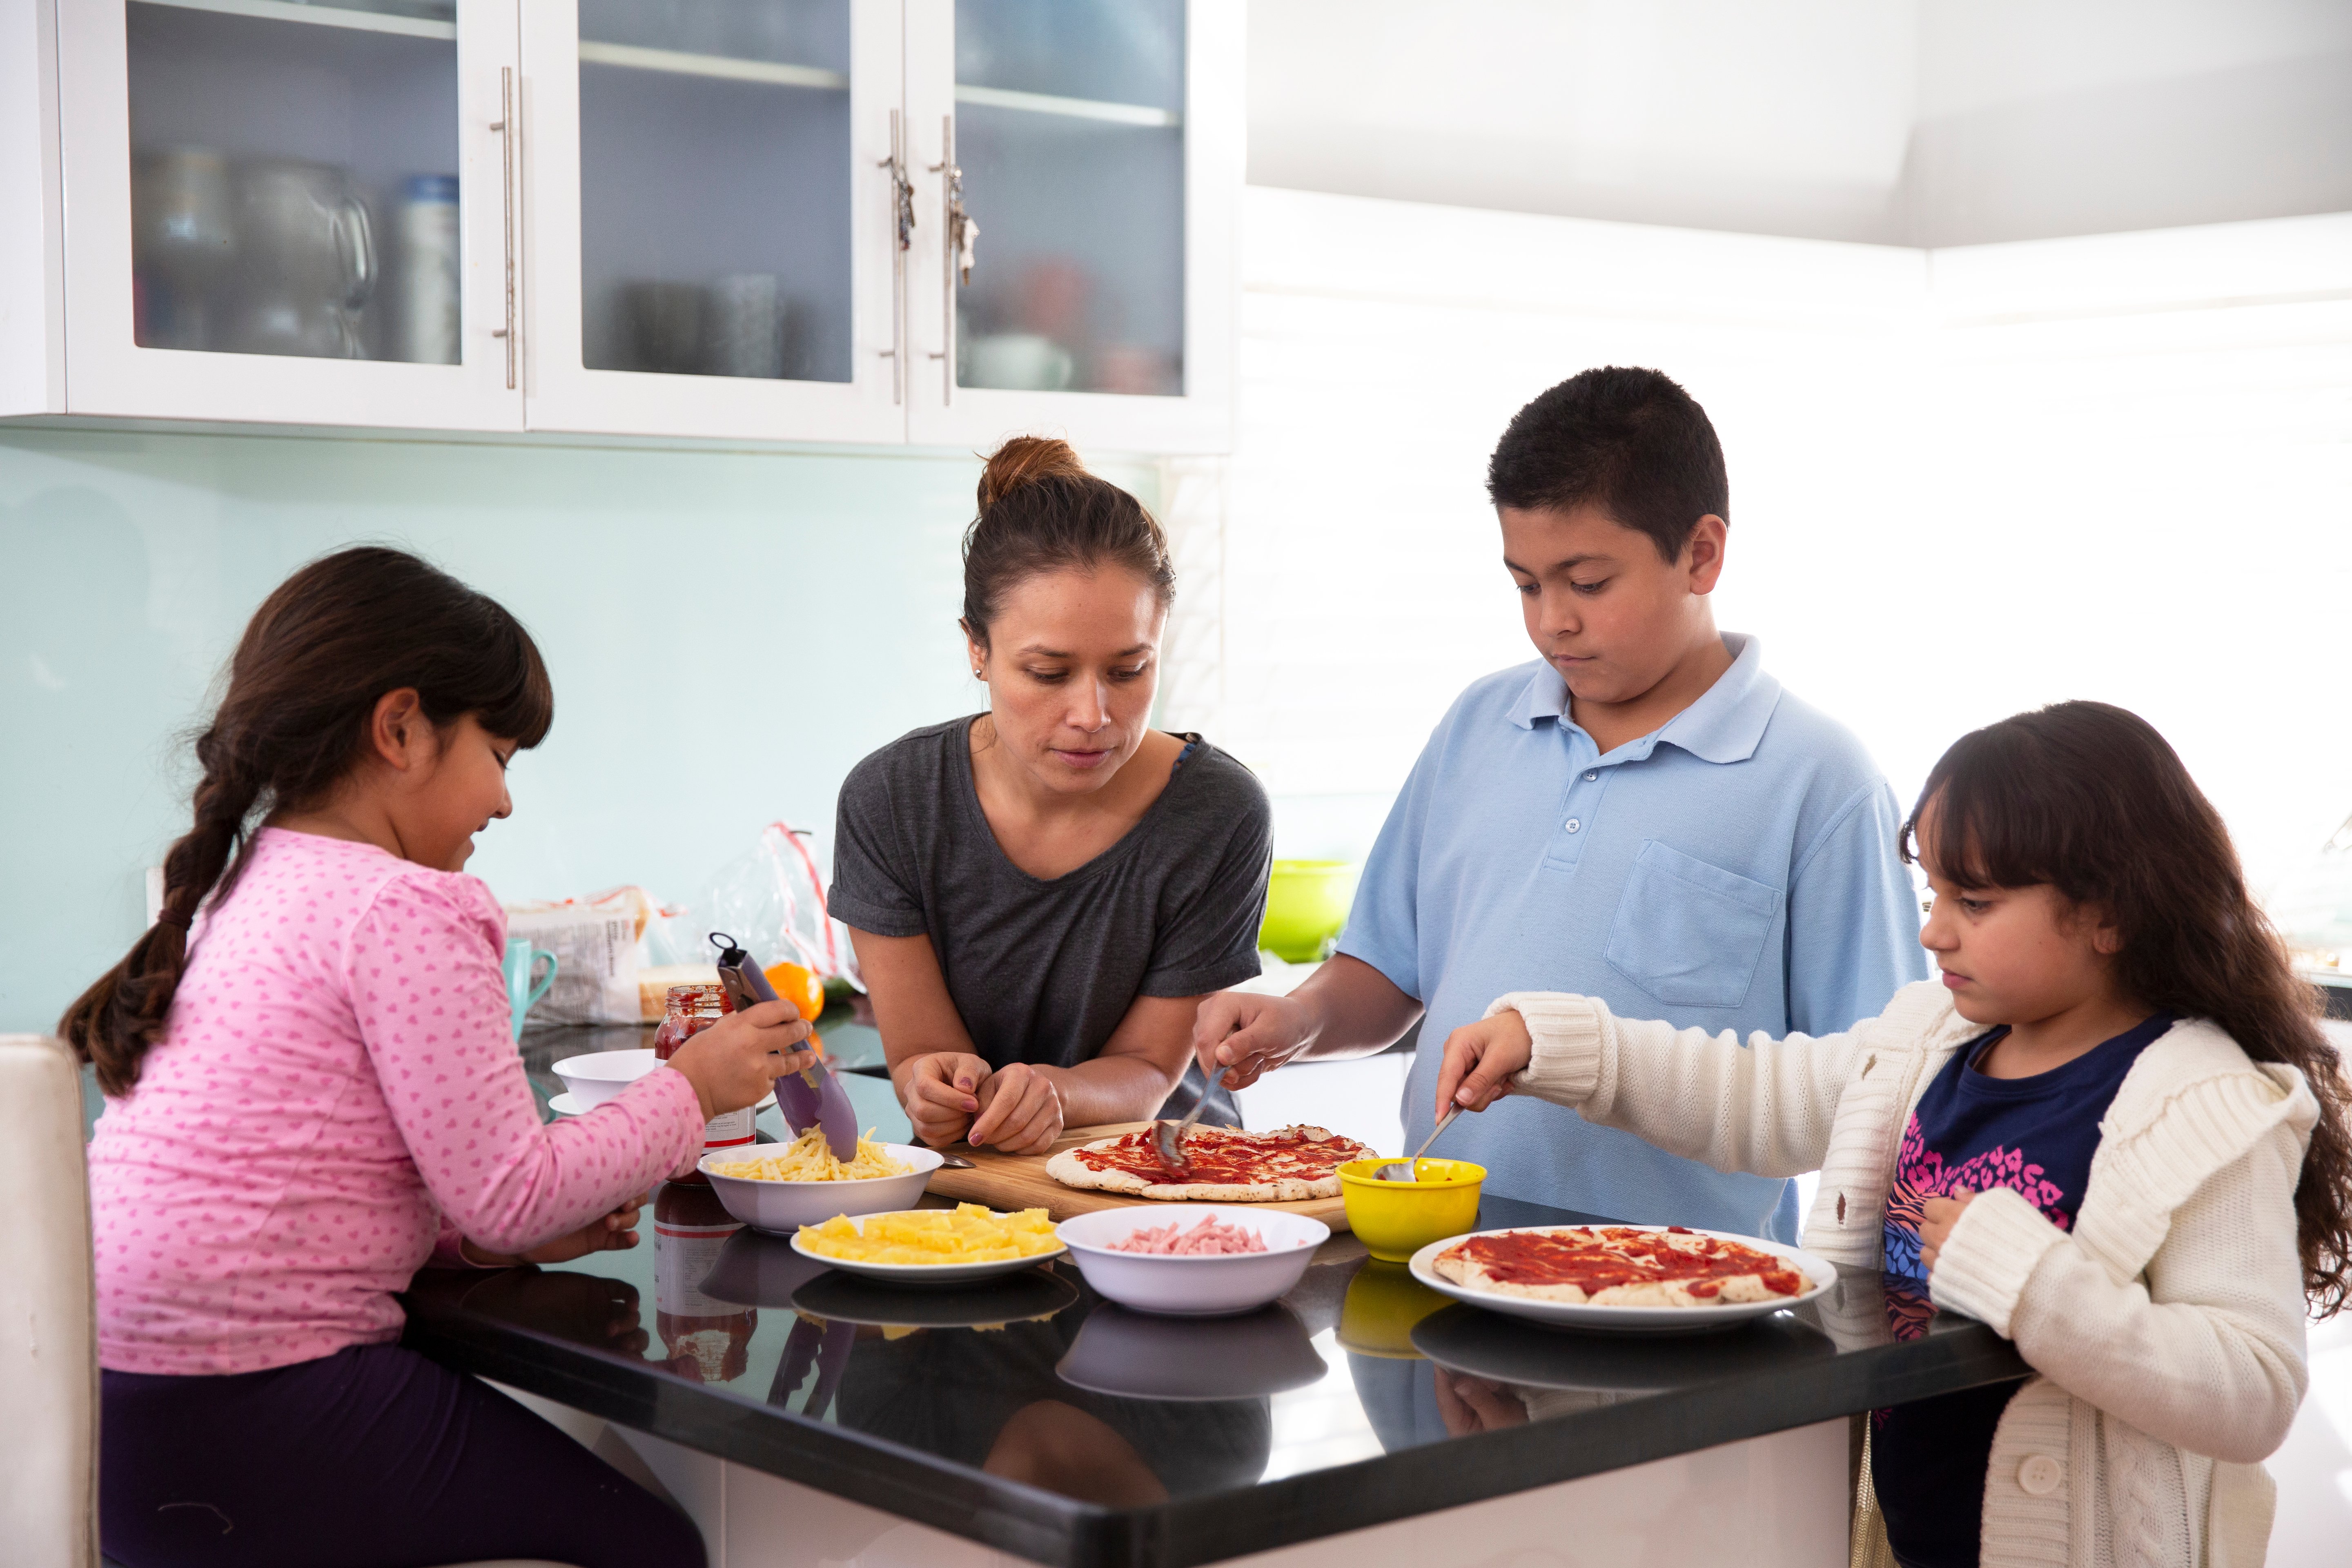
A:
x,y
932,1247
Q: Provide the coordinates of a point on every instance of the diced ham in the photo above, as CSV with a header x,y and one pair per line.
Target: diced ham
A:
x,y
1211,1237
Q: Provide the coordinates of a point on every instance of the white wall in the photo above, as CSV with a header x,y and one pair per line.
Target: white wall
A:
x,y
1901,122
1963,482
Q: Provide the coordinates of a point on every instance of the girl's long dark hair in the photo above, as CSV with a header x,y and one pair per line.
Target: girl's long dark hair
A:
x,y
2089,799
302,688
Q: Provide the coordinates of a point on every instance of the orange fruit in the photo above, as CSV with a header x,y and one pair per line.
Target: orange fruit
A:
x,y
797,986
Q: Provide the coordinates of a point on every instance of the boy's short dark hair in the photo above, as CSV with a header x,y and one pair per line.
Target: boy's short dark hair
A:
x,y
1630,442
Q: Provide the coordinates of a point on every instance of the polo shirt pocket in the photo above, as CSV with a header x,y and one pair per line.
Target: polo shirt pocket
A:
x,y
1688,933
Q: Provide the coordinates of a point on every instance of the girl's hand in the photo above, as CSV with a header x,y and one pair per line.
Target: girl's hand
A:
x,y
615,1232
1020,1110
1936,1218
1480,1060
1468,1404
737,1060
942,1093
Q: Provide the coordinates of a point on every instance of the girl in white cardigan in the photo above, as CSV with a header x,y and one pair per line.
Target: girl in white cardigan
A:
x,y
2113,1132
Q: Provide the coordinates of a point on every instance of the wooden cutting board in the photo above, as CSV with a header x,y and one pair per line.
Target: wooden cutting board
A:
x,y
1019,1181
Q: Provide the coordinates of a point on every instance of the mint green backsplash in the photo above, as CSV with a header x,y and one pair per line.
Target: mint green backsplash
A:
x,y
728,631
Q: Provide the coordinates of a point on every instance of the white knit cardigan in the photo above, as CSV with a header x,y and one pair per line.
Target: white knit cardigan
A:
x,y
2166,1328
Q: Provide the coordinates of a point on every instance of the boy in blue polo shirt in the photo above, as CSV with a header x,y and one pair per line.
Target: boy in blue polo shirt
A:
x,y
1641,814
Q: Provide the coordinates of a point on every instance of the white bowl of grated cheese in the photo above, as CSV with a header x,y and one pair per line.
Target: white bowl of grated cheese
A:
x,y
780,1187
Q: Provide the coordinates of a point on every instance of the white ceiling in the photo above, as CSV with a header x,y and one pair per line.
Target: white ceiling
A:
x,y
1902,121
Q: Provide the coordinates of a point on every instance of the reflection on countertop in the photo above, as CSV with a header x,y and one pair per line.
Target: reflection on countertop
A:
x,y
1246,1432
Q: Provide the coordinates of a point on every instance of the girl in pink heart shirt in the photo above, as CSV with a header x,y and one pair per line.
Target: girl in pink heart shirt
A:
x,y
312,1090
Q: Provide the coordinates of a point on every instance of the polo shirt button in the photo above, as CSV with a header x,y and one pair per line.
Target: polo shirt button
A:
x,y
2040,1475
1590,777
1574,826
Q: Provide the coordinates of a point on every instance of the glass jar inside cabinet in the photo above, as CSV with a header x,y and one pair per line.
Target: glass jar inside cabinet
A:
x,y
290,213
1069,141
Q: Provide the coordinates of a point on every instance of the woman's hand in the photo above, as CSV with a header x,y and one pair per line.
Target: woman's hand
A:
x,y
737,1060
940,1090
1481,1058
1246,1035
1020,1110
615,1232
1936,1218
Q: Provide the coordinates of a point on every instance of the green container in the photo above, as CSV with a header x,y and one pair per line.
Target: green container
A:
x,y
1306,904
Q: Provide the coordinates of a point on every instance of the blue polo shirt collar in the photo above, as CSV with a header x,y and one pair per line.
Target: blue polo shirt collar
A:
x,y
1723,726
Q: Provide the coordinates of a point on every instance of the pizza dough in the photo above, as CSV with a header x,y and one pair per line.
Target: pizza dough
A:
x,y
1228,1165
1617,1266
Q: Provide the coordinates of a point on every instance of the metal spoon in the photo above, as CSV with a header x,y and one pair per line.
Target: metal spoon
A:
x,y
1405,1170
1167,1137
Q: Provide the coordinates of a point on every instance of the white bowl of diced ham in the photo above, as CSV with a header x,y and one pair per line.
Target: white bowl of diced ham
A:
x,y
1192,1260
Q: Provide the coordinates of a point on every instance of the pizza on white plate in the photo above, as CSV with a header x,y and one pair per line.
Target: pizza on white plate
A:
x,y
1222,1165
1620,1266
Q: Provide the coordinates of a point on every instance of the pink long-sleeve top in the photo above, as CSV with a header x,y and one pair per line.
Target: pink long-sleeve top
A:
x,y
336,1098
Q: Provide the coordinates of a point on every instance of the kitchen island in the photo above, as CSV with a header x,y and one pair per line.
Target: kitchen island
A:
x,y
803,1418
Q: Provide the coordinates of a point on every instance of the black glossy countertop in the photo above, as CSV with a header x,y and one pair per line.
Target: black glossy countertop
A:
x,y
1358,1399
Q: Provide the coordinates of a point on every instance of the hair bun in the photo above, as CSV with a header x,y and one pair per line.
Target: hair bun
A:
x,y
1025,461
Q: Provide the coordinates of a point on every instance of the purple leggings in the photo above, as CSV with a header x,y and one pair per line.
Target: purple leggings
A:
x,y
371,1458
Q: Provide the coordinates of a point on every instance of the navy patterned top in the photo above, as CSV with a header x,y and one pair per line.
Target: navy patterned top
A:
x,y
2035,1135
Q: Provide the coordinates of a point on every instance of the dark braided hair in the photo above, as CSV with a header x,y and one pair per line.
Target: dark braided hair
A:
x,y
302,686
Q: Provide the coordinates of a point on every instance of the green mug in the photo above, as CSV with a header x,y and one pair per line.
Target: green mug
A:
x,y
523,993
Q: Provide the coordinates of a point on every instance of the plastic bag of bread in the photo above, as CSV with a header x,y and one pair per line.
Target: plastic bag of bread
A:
x,y
599,976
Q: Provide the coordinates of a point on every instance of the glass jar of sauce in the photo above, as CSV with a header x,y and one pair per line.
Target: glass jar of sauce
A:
x,y
692,1009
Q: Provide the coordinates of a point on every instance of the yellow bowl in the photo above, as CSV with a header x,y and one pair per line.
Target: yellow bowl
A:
x,y
1306,906
1383,1304
1396,1219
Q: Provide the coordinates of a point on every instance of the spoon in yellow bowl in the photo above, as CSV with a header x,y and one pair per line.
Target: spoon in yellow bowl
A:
x,y
1404,1170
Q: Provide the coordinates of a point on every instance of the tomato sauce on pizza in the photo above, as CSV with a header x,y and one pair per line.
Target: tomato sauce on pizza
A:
x,y
1597,1257
1223,1156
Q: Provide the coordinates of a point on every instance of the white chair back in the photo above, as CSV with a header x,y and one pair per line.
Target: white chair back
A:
x,y
49,1345
48,1320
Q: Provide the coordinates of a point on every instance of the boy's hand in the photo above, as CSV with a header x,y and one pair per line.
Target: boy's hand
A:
x,y
1936,1218
941,1092
1245,1034
1020,1110
1480,1060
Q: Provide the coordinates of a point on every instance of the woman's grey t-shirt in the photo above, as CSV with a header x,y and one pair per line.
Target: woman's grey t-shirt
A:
x,y
1044,971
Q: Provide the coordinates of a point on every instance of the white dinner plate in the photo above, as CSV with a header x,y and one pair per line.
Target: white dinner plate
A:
x,y
565,1105
1591,1319
922,1275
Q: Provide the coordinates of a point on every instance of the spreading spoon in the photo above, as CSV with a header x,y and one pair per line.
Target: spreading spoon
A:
x,y
1404,1170
1167,1137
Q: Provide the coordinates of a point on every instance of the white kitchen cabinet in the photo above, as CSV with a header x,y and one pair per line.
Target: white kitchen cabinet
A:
x,y
712,218
286,213
613,217
1098,148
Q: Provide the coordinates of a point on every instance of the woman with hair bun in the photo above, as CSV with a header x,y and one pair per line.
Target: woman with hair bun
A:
x,y
1040,894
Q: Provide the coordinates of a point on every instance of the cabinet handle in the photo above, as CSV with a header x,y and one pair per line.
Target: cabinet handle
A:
x,y
962,234
902,204
505,127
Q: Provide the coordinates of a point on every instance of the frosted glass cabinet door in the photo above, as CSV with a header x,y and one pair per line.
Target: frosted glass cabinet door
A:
x,y
713,236
1079,168
288,212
